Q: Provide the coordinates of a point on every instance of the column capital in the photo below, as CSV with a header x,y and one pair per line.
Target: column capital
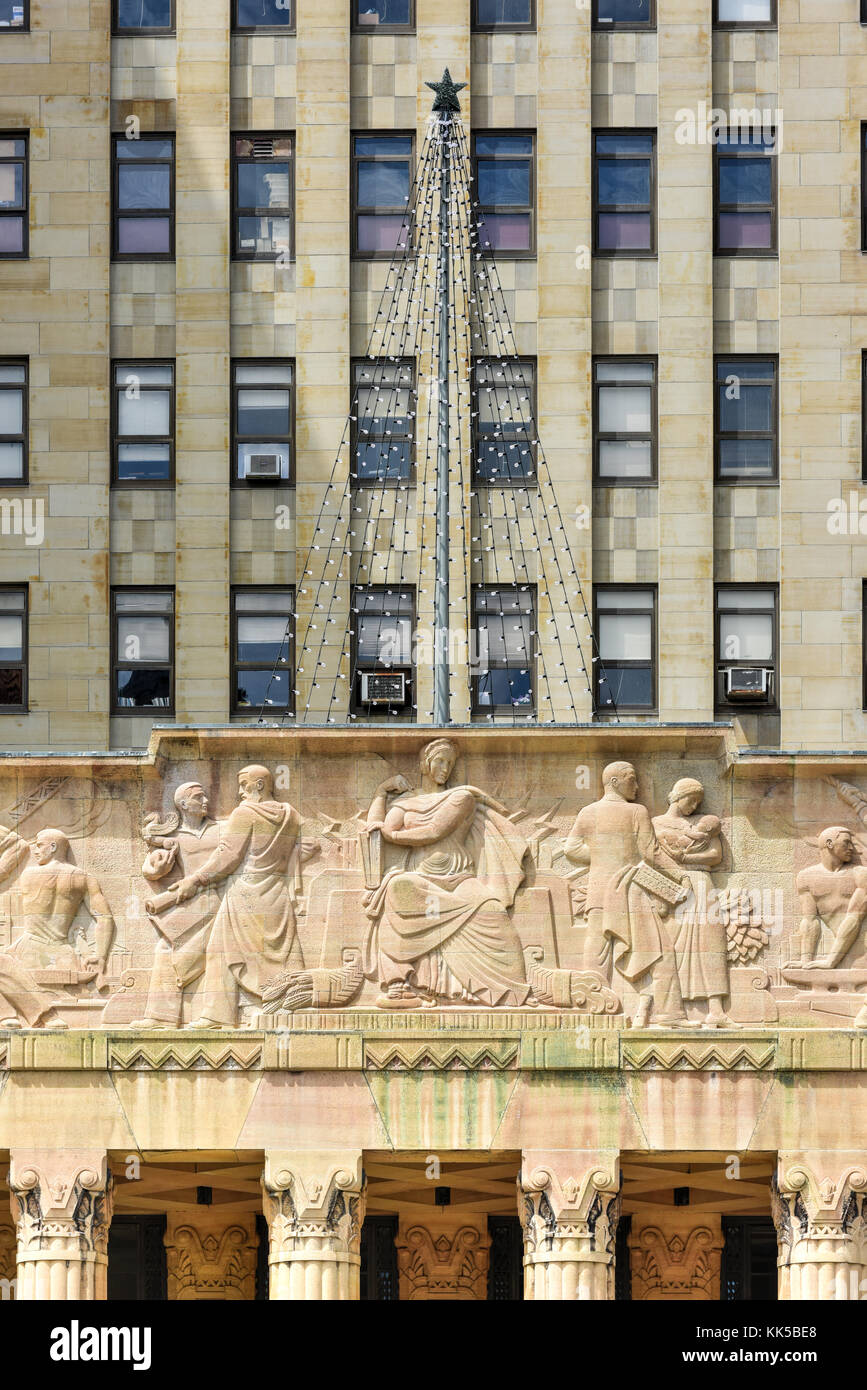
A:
x,y
437,1261
676,1254
572,1182
311,1179
569,1205
209,1256
60,1193
822,1185
314,1205
820,1211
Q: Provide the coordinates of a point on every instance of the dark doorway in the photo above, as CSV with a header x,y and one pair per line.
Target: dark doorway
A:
x,y
506,1269
137,1258
379,1259
749,1262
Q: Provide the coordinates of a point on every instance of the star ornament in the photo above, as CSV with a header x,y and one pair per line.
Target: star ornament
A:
x,y
446,93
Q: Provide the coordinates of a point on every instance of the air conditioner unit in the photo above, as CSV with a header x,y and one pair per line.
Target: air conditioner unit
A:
x,y
748,683
264,468
383,687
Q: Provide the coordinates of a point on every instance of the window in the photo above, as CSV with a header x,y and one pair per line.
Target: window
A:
x,y
624,415
746,419
143,16
258,16
381,175
144,198
625,626
15,14
624,14
510,15
504,186
143,422
749,1260
385,15
13,194
503,667
262,195
745,14
746,636
504,409
625,193
864,180
263,418
143,650
864,413
745,178
263,649
383,420
13,421
383,619
13,649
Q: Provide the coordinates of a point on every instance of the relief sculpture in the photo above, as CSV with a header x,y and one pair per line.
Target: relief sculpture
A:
x,y
392,891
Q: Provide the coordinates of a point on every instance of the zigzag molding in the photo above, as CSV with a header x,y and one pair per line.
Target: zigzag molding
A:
x,y
177,1057
433,1056
721,1055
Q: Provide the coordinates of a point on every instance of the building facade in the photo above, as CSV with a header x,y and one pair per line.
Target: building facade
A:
x,y
299,982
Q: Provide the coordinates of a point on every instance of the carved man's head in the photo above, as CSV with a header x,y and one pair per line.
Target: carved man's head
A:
x,y
191,801
687,795
50,844
255,783
620,778
438,760
837,842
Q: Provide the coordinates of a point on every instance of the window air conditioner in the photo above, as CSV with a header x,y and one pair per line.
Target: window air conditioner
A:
x,y
748,683
264,468
383,687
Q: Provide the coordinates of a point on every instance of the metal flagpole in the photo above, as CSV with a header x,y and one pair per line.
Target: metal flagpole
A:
x,y
445,105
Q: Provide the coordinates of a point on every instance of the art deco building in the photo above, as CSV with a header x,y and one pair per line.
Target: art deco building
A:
x,y
433,862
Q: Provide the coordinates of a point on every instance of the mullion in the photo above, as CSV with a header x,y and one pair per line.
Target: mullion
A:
x,y
272,211
134,213
126,664
614,664
769,208
288,642
506,209
721,435
118,438
601,436
380,209
647,209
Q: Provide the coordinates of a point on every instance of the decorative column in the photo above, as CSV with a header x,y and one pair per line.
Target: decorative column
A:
x,y
676,1254
569,1205
444,1258
61,1201
210,1255
8,1270
819,1212
314,1206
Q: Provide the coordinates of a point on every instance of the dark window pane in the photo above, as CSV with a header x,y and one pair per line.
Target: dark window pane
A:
x,y
383,145
263,413
383,184
375,12
11,14
505,12
385,460
745,180
753,411
504,144
263,13
623,11
144,14
381,233
11,234
508,231
745,230
744,369
11,185
144,149
143,462
626,685
504,460
11,687
142,236
746,458
254,686
624,144
624,231
504,181
510,685
144,186
623,181
753,140
263,185
143,688
261,637
263,235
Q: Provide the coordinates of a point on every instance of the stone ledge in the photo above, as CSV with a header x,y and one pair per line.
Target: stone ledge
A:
x,y
567,1043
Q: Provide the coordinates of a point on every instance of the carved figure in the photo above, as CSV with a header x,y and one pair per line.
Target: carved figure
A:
x,y
833,892
21,997
632,885
52,890
178,846
700,943
253,936
440,925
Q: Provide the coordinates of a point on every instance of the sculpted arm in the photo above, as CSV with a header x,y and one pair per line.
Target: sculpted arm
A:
x,y
456,809
652,852
848,929
14,850
576,848
105,928
228,855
